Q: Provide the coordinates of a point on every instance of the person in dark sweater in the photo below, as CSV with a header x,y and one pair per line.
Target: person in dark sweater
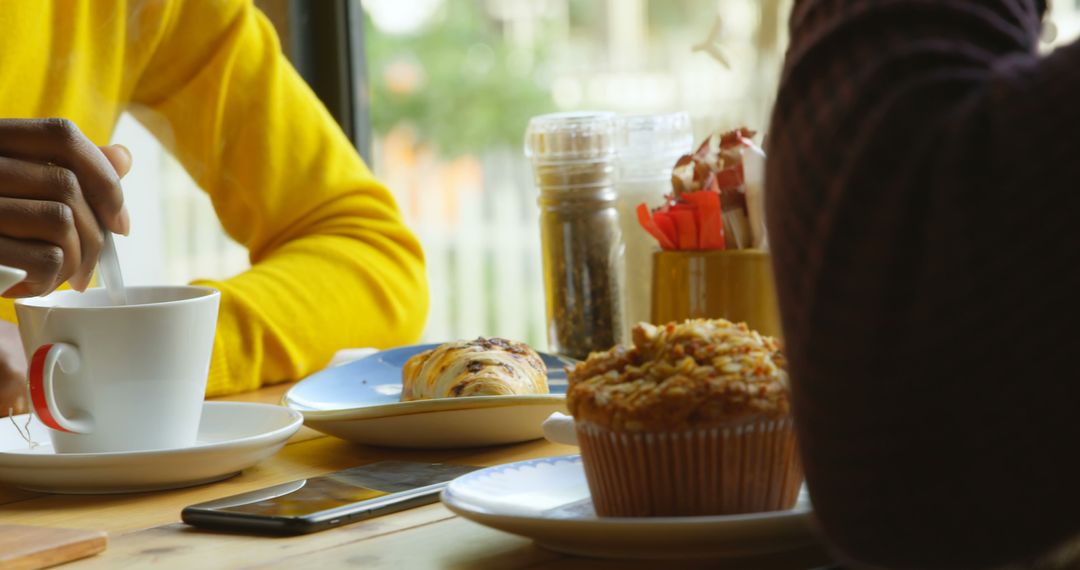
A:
x,y
923,186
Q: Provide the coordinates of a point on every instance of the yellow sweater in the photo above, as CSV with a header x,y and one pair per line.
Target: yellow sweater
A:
x,y
333,266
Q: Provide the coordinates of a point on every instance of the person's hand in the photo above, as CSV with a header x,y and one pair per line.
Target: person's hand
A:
x,y
12,371
57,193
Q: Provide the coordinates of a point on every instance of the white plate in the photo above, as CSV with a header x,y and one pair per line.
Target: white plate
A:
x,y
359,401
547,500
232,437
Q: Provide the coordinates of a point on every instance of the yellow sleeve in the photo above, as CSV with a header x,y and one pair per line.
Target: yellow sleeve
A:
x,y
333,265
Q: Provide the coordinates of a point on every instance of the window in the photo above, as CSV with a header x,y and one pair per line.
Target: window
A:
x,y
452,84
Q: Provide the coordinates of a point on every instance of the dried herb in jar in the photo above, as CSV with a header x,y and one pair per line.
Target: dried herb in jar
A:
x,y
582,272
574,164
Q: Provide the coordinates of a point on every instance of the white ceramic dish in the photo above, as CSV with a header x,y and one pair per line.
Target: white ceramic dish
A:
x,y
232,437
547,500
359,402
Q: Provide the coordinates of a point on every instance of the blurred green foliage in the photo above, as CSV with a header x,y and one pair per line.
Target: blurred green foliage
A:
x,y
465,89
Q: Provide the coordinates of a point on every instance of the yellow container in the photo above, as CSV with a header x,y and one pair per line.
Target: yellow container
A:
x,y
736,285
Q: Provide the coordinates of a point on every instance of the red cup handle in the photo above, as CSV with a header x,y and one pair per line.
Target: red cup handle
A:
x,y
42,365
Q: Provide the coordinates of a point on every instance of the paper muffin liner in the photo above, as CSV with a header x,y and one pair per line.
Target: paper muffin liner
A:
x,y
740,468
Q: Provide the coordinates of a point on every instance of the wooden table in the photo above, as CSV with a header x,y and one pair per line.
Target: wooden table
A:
x,y
144,529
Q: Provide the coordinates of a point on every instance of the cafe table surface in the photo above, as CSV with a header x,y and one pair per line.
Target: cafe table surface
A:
x,y
145,530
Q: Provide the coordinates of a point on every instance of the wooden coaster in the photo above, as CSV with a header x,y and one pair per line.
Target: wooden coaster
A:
x,y
30,547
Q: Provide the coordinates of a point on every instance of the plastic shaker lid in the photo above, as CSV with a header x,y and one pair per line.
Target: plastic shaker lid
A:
x,y
649,145
667,136
571,137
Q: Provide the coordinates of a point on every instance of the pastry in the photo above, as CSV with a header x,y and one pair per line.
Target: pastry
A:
x,y
481,367
693,419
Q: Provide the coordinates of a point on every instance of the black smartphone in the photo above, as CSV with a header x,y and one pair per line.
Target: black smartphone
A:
x,y
319,503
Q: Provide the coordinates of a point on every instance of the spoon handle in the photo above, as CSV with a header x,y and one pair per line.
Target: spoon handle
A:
x,y
109,271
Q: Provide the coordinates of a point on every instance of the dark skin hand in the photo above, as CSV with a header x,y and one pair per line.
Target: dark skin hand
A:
x,y
58,193
12,371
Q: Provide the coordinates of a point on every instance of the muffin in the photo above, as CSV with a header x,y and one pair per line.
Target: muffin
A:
x,y
693,419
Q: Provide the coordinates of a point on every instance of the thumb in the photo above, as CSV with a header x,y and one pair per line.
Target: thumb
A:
x,y
119,156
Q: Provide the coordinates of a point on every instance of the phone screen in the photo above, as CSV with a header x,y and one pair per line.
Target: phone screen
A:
x,y
312,504
311,496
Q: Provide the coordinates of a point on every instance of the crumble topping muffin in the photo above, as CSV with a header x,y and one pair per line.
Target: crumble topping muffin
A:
x,y
693,419
698,373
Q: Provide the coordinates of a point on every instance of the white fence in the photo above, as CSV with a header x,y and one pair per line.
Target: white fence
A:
x,y
478,223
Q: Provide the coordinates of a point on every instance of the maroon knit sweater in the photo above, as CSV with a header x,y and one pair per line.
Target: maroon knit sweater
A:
x,y
923,207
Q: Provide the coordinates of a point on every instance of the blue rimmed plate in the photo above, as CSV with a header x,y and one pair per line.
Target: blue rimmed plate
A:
x,y
548,501
360,402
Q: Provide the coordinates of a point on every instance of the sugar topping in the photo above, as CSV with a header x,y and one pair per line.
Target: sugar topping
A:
x,y
698,373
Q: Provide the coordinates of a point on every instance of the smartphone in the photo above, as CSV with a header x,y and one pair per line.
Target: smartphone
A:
x,y
319,503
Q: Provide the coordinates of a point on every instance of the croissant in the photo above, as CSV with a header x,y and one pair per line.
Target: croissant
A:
x,y
481,367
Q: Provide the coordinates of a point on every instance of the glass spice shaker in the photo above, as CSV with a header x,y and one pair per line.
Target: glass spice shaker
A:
x,y
574,164
648,146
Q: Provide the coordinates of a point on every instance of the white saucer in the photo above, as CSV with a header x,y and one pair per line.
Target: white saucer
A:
x,y
232,436
547,500
359,402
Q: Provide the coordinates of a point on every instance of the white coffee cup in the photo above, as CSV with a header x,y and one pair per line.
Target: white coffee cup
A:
x,y
108,378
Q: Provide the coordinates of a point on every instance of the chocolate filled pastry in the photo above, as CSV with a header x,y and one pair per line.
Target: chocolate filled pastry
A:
x,y
481,367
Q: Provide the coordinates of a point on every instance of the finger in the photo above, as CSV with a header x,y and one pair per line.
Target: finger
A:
x,y
32,181
41,261
119,157
43,221
12,394
60,142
